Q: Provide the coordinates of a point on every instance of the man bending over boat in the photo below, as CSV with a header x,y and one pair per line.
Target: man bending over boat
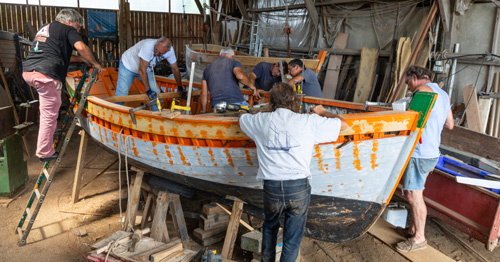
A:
x,y
265,75
139,62
425,156
284,152
221,79
46,67
303,80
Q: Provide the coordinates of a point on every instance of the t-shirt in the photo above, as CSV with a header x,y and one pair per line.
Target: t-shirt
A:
x,y
285,141
431,136
311,86
145,49
50,53
221,81
264,80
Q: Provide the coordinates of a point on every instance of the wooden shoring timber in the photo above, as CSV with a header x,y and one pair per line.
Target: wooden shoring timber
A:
x,y
334,63
472,108
366,75
421,37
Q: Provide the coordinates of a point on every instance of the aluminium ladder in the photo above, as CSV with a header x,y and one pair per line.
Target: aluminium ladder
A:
x,y
80,99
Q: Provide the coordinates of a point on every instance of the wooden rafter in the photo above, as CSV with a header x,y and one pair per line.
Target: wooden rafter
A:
x,y
243,9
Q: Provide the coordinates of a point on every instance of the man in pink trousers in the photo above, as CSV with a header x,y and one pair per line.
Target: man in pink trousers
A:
x,y
46,67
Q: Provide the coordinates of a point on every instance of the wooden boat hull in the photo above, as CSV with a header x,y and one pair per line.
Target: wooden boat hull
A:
x,y
353,178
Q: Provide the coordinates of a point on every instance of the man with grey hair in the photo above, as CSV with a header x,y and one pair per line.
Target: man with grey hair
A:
x,y
222,79
46,67
139,62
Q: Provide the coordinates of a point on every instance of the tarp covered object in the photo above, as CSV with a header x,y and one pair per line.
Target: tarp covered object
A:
x,y
101,24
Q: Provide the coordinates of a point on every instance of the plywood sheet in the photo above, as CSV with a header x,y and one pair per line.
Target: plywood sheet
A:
x,y
368,64
472,108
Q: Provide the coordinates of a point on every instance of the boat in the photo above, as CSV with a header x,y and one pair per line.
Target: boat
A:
x,y
353,178
203,55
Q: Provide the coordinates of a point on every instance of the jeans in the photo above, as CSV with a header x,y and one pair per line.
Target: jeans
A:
x,y
290,198
125,79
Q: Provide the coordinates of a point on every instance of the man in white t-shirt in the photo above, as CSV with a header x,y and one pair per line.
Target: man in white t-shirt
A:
x,y
139,61
285,140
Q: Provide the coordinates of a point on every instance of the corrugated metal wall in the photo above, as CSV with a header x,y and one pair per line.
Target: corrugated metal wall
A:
x,y
182,29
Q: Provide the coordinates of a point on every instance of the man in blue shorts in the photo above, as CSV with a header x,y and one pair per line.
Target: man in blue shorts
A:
x,y
425,156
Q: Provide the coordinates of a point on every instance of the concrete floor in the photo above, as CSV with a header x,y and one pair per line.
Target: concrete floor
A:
x,y
53,235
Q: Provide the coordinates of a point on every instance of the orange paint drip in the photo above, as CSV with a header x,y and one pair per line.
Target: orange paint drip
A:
x,y
136,153
183,158
337,157
189,133
355,152
100,135
203,133
174,131
229,158
320,158
219,134
169,155
162,130
249,158
373,160
211,153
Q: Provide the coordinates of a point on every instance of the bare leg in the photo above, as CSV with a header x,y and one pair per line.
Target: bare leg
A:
x,y
419,214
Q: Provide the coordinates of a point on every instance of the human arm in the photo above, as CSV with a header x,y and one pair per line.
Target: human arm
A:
x,y
203,96
143,72
321,111
252,77
243,79
295,80
449,123
86,55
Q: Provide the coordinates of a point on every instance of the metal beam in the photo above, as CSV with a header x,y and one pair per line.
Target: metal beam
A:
x,y
243,9
313,13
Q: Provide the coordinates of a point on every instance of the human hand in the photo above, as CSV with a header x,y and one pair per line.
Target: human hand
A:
x,y
99,67
319,110
182,91
256,93
153,99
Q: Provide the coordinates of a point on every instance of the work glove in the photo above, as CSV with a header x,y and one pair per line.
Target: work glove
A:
x,y
153,99
182,91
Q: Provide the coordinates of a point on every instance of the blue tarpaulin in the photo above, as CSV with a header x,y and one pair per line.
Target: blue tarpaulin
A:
x,y
101,24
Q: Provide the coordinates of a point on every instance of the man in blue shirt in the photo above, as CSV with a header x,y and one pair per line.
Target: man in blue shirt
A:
x,y
265,75
222,79
304,77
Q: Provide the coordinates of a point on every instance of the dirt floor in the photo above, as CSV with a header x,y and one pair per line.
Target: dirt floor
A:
x,y
53,235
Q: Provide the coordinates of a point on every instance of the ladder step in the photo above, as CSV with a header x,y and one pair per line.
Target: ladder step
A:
x,y
46,173
28,212
37,193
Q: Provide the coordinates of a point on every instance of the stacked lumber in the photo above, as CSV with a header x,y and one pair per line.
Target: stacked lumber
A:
x,y
493,121
252,241
213,224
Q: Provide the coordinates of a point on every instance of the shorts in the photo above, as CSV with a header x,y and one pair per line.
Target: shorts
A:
x,y
417,171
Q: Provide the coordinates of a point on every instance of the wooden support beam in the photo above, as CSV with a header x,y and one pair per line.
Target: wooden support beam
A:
x,y
445,10
160,216
232,230
178,219
133,203
243,9
313,13
200,7
122,27
82,151
494,49
147,210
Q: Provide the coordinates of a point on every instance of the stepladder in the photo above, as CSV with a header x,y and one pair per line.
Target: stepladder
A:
x,y
46,176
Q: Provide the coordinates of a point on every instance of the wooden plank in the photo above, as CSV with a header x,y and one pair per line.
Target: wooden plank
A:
x,y
204,234
82,151
402,56
243,10
472,108
343,76
484,112
178,218
146,212
160,216
165,253
232,230
133,205
212,208
445,10
471,141
367,67
334,63
312,12
144,256
386,233
245,224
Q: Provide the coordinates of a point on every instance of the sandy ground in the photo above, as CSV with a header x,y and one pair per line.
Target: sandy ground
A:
x,y
53,234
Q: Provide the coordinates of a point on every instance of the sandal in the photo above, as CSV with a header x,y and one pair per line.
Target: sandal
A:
x,y
403,232
409,245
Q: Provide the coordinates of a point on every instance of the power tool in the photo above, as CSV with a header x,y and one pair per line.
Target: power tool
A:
x,y
222,107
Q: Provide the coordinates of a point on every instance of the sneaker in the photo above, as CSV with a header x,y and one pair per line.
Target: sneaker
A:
x,y
52,157
409,245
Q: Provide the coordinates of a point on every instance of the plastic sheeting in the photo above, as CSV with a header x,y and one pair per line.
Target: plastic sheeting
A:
x,y
271,24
